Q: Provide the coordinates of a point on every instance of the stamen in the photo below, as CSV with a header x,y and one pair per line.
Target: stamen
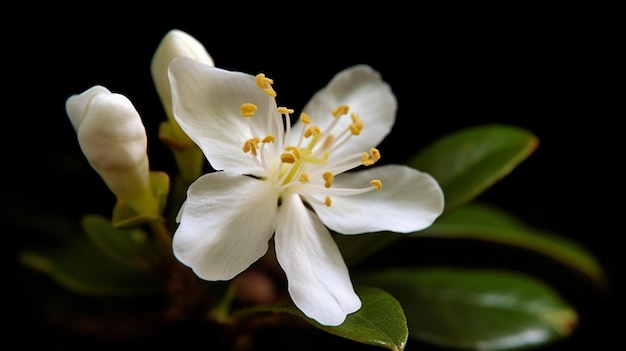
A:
x,y
304,178
248,109
328,201
285,110
265,84
340,110
328,179
294,150
304,118
269,139
251,145
313,130
287,158
370,159
376,183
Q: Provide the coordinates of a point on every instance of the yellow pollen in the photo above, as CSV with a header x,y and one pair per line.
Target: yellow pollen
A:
x,y
304,178
370,159
328,179
341,110
294,150
251,145
375,154
313,130
377,184
248,109
287,158
354,129
305,118
285,110
263,82
269,139
328,201
270,92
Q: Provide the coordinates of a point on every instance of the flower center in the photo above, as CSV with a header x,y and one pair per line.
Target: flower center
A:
x,y
307,166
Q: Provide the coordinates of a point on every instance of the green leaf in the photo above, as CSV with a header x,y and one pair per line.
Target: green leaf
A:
x,y
483,222
81,267
380,321
467,162
130,246
474,309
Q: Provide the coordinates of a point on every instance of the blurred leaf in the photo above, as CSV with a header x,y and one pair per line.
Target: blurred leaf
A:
x,y
131,247
465,163
379,322
475,309
486,223
83,268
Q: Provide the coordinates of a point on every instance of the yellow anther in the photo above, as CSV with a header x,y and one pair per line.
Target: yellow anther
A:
x,y
251,145
294,150
341,110
354,129
313,130
375,154
328,179
376,183
287,158
263,82
304,178
269,139
285,110
270,92
305,118
328,201
248,109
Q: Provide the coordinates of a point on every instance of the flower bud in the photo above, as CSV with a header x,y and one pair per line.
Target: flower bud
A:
x,y
113,139
175,43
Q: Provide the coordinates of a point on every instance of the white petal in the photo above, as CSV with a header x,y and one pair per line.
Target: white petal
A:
x,y
206,102
226,223
319,282
76,105
409,201
362,89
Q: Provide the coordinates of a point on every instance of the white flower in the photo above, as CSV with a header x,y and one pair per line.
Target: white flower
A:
x,y
113,139
290,181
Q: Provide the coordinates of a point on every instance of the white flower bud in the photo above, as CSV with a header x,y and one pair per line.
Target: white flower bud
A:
x,y
175,43
113,138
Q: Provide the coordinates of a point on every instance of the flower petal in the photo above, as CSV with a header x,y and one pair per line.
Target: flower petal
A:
x,y
206,102
409,201
362,89
319,282
225,224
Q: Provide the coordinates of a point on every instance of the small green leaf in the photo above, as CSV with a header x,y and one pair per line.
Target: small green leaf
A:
x,y
486,223
81,267
467,162
130,246
474,309
380,321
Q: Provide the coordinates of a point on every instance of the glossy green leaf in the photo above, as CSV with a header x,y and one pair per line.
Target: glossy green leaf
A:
x,y
380,321
473,309
482,222
131,246
81,267
467,162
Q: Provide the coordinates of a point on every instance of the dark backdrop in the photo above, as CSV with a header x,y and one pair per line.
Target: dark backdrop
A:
x,y
551,71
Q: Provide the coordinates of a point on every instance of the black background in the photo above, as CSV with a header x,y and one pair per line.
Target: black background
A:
x,y
550,70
